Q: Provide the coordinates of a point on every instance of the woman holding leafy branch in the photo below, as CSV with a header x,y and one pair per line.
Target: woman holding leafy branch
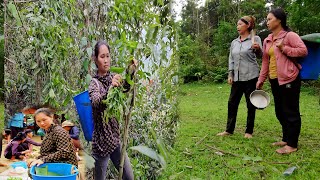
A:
x,y
106,134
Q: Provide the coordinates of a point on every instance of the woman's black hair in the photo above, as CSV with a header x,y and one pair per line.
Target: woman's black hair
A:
x,y
282,16
46,111
20,136
97,47
28,131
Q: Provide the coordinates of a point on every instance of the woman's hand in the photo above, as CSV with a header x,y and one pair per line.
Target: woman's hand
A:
x,y
255,46
135,62
230,80
133,66
35,162
279,44
116,80
259,85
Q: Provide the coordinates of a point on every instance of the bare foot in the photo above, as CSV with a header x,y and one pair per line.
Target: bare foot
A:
x,y
247,135
280,143
286,150
223,134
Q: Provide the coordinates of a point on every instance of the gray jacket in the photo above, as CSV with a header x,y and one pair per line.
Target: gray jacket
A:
x,y
243,64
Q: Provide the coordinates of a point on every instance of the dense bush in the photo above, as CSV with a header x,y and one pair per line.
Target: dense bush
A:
x,y
49,61
199,61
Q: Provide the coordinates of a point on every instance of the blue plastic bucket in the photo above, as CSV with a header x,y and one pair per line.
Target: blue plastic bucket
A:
x,y
311,63
66,172
84,108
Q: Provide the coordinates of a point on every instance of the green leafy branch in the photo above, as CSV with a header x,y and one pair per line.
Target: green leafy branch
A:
x,y
115,104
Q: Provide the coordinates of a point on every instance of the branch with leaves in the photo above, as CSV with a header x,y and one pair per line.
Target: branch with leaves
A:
x,y
120,106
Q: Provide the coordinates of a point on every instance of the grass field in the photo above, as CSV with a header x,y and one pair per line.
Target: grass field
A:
x,y
203,111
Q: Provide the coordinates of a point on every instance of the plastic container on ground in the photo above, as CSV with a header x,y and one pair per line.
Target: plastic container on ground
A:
x,y
19,164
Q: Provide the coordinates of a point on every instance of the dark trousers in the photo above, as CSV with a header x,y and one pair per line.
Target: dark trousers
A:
x,y
101,165
237,90
286,102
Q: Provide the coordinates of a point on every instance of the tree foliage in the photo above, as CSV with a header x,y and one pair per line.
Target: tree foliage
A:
x,y
48,60
1,52
207,31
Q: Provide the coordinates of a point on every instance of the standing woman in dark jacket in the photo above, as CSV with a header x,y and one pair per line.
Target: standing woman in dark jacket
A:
x,y
243,74
106,135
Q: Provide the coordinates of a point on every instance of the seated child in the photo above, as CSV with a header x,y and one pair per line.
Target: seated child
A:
x,y
28,143
15,150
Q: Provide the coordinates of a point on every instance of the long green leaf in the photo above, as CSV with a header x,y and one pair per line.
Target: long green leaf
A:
x,y
12,8
118,70
150,153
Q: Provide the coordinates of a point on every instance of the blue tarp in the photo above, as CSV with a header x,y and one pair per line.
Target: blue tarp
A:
x,y
311,63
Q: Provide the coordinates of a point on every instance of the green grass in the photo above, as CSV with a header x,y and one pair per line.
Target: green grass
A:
x,y
203,111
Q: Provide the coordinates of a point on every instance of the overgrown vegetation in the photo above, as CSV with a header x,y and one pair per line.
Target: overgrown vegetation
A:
x,y
1,116
48,48
1,53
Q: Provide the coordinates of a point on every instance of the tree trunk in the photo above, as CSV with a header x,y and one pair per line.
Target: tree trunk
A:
x,y
38,81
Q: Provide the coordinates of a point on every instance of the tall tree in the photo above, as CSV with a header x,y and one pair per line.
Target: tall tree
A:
x,y
304,16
